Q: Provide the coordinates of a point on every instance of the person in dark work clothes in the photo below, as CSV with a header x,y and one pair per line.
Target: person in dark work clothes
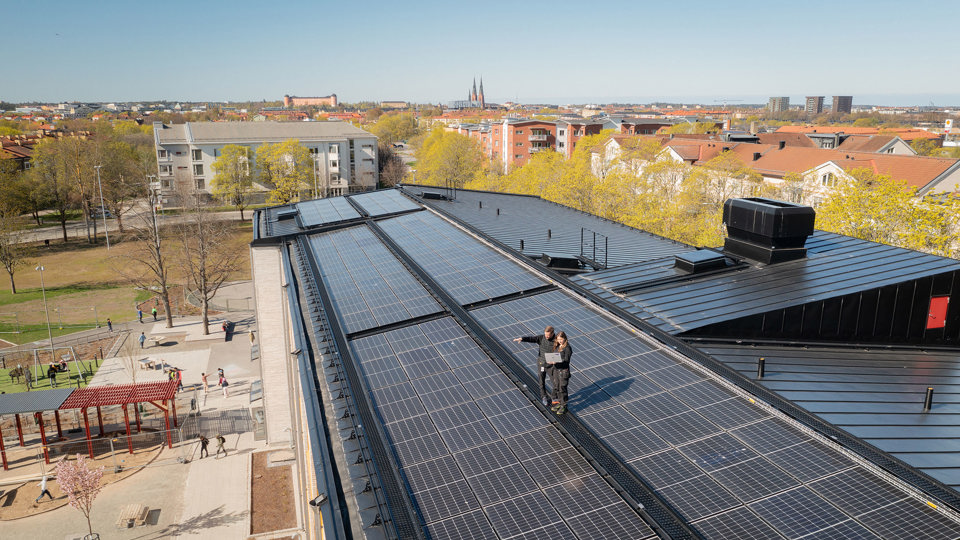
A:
x,y
545,343
203,447
140,315
561,373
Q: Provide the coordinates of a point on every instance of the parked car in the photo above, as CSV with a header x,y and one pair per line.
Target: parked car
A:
x,y
96,214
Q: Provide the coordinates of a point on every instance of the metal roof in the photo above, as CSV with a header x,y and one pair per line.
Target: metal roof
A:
x,y
835,265
464,448
218,132
36,401
547,227
875,394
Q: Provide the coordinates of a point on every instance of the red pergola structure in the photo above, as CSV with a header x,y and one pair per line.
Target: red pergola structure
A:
x,y
155,393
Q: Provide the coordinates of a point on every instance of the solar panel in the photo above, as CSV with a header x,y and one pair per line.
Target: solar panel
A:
x,y
325,211
648,408
737,523
910,518
855,491
466,268
781,511
461,455
368,285
379,203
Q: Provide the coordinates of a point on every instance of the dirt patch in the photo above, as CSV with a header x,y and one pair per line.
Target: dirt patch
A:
x,y
17,501
272,506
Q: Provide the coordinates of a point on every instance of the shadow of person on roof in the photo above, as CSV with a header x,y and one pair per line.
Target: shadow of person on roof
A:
x,y
600,391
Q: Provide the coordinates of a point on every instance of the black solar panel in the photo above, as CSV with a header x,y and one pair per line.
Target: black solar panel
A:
x,y
378,203
367,283
737,523
493,453
466,268
703,448
781,511
325,211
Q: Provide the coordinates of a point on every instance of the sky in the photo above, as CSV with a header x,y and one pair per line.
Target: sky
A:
x,y
880,52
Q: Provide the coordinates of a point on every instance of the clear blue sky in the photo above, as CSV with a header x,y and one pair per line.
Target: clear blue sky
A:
x,y
531,51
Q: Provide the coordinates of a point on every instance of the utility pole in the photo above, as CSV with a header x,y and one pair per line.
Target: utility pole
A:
x,y
43,289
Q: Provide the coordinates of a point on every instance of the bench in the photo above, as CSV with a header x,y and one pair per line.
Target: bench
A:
x,y
156,340
132,515
147,363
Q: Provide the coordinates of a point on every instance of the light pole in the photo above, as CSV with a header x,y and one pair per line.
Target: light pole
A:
x,y
103,210
43,291
316,169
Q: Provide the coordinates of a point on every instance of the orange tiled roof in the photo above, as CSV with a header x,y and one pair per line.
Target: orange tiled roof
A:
x,y
907,134
866,143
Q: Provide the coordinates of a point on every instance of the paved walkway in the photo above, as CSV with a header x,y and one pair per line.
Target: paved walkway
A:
x,y
204,498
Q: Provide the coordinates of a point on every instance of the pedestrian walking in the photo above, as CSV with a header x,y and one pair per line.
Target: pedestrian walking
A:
x,y
203,379
154,313
52,375
179,379
545,343
220,442
109,324
43,490
253,338
203,447
561,373
141,339
220,373
224,385
140,315
28,375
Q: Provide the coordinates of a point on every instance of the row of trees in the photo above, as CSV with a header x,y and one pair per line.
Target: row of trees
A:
x,y
684,202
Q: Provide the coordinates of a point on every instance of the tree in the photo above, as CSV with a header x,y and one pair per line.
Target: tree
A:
x,y
392,168
925,147
81,483
287,166
206,256
151,268
120,177
448,159
233,180
878,208
693,128
12,252
395,127
50,173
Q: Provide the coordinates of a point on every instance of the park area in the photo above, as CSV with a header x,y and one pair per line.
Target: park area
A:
x,y
84,288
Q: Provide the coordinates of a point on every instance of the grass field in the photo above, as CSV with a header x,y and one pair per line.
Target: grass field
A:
x,y
64,380
83,286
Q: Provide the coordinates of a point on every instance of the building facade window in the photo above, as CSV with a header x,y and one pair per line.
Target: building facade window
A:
x,y
197,155
166,170
518,132
828,180
198,169
334,148
162,154
518,156
518,144
314,151
560,133
200,183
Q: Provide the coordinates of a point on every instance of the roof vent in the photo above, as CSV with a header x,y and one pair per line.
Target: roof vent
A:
x,y
560,260
756,155
694,262
782,145
766,230
433,195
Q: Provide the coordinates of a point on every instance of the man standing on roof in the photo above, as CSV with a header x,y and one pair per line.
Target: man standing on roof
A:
x,y
545,343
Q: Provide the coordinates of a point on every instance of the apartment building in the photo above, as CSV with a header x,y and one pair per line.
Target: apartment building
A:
x,y
814,105
345,156
778,104
571,131
842,104
512,141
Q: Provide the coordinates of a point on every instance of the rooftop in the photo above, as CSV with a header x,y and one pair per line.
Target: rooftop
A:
x,y
411,312
216,132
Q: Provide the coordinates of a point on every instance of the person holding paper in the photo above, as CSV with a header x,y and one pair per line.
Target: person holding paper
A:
x,y
561,372
545,343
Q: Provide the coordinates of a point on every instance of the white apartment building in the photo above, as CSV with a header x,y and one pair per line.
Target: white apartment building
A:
x,y
345,156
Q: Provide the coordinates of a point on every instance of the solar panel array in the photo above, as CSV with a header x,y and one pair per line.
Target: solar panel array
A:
x,y
379,203
727,466
368,285
469,270
479,460
326,211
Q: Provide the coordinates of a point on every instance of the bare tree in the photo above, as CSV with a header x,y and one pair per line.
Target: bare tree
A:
x,y
151,268
12,252
205,254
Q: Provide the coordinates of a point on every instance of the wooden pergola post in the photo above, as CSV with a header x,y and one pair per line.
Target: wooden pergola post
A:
x,y
86,427
19,429
56,415
43,437
3,453
166,422
100,420
173,405
126,422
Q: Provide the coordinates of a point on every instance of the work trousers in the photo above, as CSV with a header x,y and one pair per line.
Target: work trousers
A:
x,y
546,371
560,378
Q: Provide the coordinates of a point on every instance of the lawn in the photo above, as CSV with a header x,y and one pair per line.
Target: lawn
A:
x,y
64,380
83,286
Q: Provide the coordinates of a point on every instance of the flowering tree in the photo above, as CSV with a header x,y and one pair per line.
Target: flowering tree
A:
x,y
81,484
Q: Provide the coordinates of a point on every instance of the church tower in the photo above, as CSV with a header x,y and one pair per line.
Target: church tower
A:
x,y
473,93
481,99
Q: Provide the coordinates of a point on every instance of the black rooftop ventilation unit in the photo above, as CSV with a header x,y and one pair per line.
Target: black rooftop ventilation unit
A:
x,y
433,195
694,262
766,230
560,261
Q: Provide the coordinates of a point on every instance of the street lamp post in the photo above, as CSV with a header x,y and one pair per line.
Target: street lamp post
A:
x,y
316,173
103,210
43,291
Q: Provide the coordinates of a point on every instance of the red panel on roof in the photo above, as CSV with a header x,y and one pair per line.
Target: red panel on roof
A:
x,y
102,396
79,399
157,391
111,395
